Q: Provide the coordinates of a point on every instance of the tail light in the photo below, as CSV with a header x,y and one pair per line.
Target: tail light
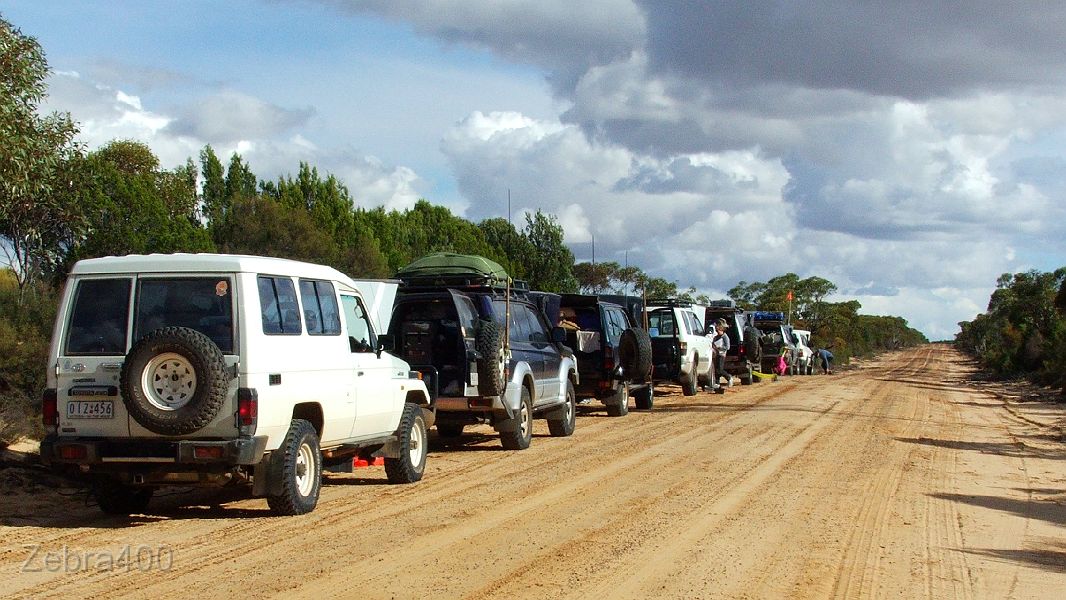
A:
x,y
50,410
608,359
684,347
742,351
247,410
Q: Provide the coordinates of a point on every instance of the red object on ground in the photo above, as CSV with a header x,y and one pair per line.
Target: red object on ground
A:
x,y
359,462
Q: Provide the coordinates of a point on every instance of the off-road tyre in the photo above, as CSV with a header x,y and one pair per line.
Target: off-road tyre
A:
x,y
644,398
690,384
634,354
296,467
752,347
449,431
565,426
115,498
520,438
488,341
411,435
618,404
174,381
748,378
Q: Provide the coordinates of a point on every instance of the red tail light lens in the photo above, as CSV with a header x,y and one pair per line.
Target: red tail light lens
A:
x,y
50,410
608,359
247,410
73,452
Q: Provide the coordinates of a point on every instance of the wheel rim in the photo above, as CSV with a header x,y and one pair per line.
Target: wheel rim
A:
x,y
169,381
417,444
571,402
527,422
305,466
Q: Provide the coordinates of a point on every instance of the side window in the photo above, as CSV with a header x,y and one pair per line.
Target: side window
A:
x,y
537,331
697,326
281,312
99,318
518,329
320,307
360,334
519,324
616,324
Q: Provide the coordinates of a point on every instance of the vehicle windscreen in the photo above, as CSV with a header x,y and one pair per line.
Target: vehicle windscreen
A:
x,y
201,303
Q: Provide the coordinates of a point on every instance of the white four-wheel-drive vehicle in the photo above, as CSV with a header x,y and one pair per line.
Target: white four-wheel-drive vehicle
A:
x,y
804,353
680,350
200,369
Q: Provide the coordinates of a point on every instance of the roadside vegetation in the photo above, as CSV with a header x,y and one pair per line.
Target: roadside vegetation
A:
x,y
60,203
1023,332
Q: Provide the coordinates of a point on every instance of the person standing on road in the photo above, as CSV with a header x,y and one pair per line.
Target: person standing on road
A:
x,y
825,357
720,343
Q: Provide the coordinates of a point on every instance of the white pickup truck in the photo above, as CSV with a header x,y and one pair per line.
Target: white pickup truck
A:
x,y
209,369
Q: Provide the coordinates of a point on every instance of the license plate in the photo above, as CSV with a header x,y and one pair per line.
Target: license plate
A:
x,y
95,409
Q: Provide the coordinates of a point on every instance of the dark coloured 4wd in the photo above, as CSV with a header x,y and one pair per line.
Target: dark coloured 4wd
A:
x,y
613,357
486,351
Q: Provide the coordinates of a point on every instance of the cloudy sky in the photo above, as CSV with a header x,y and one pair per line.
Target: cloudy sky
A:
x,y
910,152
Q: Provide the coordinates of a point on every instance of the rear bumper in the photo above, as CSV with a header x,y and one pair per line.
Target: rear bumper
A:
x,y
98,451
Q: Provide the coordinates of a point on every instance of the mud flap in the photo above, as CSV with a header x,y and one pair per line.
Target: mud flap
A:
x,y
504,421
263,483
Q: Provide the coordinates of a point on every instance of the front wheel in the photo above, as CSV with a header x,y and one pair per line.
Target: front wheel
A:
x,y
411,435
298,464
564,426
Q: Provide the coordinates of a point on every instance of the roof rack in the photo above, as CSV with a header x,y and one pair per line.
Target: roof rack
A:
x,y
767,315
727,303
672,302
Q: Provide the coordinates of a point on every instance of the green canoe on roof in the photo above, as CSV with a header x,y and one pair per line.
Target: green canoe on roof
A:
x,y
448,265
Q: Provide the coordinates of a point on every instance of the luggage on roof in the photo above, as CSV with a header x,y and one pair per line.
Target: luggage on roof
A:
x,y
450,269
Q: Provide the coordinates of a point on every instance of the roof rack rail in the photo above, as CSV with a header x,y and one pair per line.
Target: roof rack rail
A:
x,y
668,302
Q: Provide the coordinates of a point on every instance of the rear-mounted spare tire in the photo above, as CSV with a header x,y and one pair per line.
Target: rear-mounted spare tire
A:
x,y
174,381
489,344
634,354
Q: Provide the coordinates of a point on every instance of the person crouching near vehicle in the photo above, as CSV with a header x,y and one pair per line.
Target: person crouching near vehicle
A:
x,y
825,357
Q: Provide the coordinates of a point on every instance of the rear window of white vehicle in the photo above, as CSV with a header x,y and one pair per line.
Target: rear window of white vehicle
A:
x,y
201,303
99,318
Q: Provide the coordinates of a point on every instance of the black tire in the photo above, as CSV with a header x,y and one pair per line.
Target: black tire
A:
x,y
634,354
747,378
751,345
297,467
115,498
565,426
644,398
618,404
489,343
411,435
690,385
449,430
174,381
520,438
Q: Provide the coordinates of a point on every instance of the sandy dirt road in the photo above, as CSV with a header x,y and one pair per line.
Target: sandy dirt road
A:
x,y
900,479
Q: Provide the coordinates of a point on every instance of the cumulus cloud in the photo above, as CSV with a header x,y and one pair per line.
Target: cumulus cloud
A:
x,y
228,116
257,130
562,36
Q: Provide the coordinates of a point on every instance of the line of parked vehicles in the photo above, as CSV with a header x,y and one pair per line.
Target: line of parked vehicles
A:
x,y
214,369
